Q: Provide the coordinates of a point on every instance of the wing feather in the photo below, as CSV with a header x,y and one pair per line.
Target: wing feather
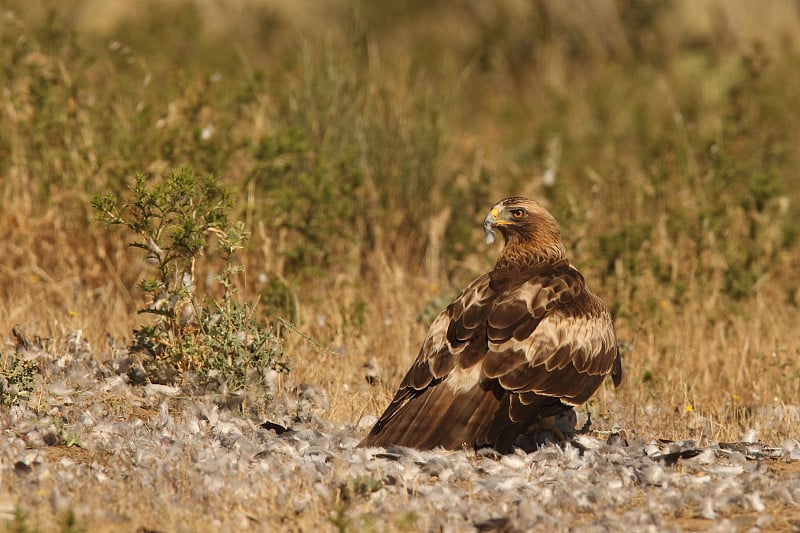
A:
x,y
508,351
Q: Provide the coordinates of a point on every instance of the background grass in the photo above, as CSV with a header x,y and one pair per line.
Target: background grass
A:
x,y
364,141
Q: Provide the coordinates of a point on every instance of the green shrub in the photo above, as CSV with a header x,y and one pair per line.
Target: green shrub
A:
x,y
310,198
16,378
217,339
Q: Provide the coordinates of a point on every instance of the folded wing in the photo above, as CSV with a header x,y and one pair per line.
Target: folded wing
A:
x,y
505,353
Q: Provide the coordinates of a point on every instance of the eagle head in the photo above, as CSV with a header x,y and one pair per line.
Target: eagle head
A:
x,y
526,223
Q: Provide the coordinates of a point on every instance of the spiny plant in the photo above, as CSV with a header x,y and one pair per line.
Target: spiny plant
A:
x,y
16,378
216,339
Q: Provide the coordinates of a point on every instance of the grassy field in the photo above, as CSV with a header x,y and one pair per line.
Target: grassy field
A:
x,y
364,141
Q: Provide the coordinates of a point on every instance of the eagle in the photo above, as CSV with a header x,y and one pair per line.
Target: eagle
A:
x,y
520,345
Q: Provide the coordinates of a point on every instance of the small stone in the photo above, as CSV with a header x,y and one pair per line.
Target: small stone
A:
x,y
22,468
51,438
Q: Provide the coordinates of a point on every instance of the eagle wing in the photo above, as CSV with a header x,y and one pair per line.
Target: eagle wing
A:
x,y
502,355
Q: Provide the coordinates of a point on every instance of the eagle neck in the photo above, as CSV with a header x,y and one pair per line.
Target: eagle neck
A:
x,y
517,257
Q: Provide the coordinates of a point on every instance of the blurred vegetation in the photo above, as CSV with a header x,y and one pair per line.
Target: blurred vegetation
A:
x,y
363,141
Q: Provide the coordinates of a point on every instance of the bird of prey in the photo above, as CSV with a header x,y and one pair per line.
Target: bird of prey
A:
x,y
520,345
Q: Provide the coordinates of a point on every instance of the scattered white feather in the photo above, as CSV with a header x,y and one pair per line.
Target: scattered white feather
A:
x,y
221,457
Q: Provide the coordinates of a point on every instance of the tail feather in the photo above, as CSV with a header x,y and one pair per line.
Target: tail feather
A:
x,y
483,416
436,416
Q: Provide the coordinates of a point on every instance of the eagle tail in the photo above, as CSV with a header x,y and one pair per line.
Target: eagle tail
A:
x,y
437,416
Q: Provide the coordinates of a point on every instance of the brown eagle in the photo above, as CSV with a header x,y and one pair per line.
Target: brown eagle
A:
x,y
521,344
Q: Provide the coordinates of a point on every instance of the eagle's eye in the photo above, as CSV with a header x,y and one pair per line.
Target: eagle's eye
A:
x,y
517,214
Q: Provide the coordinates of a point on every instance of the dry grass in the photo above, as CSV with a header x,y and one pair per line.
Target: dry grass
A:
x,y
671,136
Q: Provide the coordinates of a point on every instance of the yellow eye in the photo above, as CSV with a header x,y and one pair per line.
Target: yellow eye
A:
x,y
517,213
